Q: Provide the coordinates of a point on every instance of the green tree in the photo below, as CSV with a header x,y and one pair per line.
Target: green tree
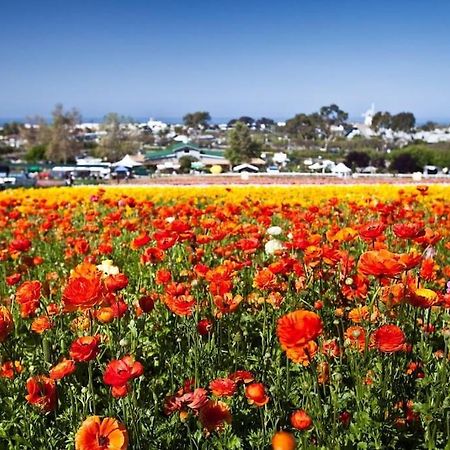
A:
x,y
381,120
197,119
117,142
242,148
357,159
186,163
304,126
404,121
36,153
62,145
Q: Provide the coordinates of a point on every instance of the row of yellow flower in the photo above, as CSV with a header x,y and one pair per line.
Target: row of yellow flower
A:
x,y
304,194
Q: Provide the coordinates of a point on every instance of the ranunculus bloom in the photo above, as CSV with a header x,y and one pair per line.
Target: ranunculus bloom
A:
x,y
41,324
423,298
82,293
115,283
297,328
214,415
42,392
10,368
380,263
256,394
301,420
283,440
6,323
242,375
119,372
356,336
84,348
222,387
62,369
97,434
302,354
27,295
389,339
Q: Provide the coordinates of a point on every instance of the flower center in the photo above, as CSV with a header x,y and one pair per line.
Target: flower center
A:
x,y
103,441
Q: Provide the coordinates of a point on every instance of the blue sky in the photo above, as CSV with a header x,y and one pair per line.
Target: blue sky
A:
x,y
166,58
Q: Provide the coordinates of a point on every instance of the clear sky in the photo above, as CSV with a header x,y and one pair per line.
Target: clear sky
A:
x,y
168,57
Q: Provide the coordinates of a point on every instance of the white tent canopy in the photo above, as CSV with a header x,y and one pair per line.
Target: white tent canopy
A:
x,y
127,161
245,166
341,168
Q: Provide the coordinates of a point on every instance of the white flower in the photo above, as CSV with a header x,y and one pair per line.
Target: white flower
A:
x,y
170,219
274,231
107,267
272,246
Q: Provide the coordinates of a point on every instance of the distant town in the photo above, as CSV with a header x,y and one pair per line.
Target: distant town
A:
x,y
68,150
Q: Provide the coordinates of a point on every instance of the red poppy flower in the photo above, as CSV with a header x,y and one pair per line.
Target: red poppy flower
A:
x,y
256,394
214,415
62,369
223,387
408,230
389,339
28,295
85,348
120,371
297,328
10,368
41,392
380,263
115,283
82,293
372,230
6,323
300,420
242,376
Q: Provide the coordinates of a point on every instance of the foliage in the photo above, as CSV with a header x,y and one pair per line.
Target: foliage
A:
x,y
186,163
197,119
36,153
357,159
404,121
241,148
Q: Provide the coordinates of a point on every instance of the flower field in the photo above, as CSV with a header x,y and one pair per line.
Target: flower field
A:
x,y
225,318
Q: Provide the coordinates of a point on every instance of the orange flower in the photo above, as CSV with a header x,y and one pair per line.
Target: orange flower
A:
x,y
84,348
222,387
82,293
283,440
372,230
357,337
302,354
301,420
256,394
6,323
9,368
389,339
27,295
297,328
227,303
106,434
423,298
62,369
214,415
265,279
42,392
380,263
362,314
41,324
